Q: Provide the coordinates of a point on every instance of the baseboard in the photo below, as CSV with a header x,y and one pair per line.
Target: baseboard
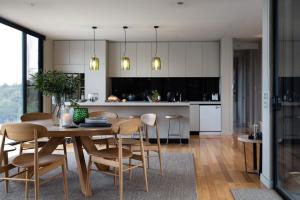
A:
x,y
194,132
171,141
267,182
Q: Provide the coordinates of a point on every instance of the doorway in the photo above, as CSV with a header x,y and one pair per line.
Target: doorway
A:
x,y
247,74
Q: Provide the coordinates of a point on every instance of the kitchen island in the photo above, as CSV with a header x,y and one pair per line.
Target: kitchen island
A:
x,y
125,109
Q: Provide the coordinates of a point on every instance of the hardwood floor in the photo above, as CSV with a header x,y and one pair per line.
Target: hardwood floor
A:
x,y
219,165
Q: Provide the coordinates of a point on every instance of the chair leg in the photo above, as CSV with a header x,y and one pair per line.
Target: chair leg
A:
x,y
121,179
20,152
65,177
148,159
160,162
36,184
6,173
26,183
88,181
144,163
66,154
115,177
130,171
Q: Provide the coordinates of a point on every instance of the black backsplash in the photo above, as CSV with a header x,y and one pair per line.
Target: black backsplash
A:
x,y
191,89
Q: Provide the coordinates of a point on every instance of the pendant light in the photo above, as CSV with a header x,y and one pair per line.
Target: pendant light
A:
x,y
125,61
94,62
156,63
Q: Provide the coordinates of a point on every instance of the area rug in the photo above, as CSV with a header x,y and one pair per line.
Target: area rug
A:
x,y
255,194
178,183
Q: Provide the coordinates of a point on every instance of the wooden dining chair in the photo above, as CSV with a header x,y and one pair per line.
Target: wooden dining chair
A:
x,y
148,121
4,160
32,164
41,142
103,140
113,157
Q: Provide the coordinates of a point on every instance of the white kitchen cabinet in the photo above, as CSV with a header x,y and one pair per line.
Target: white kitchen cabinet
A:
x,y
114,59
211,59
163,53
194,117
194,59
131,53
144,59
61,52
177,59
76,52
95,81
210,118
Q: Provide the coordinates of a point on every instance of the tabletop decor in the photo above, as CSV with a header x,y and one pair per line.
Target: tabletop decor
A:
x,y
57,85
80,114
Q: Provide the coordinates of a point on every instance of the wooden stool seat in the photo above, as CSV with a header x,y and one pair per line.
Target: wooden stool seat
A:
x,y
9,148
27,160
112,153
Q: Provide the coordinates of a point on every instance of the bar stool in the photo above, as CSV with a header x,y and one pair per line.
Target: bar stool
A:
x,y
175,118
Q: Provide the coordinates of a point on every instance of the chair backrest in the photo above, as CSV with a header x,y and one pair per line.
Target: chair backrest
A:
x,y
106,114
35,116
149,119
22,132
127,127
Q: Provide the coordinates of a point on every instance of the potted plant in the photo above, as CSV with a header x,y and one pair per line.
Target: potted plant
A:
x,y
56,85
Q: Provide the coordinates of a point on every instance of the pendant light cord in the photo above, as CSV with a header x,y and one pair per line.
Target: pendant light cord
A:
x,y
94,43
125,40
155,40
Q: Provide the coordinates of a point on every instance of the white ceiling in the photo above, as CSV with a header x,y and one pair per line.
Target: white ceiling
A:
x,y
195,20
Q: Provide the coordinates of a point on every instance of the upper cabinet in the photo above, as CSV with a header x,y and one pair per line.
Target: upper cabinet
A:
x,y
144,59
69,56
76,52
114,59
61,52
131,53
163,53
194,59
211,59
177,59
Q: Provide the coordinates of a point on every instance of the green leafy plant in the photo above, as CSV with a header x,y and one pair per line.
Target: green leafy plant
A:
x,y
155,95
54,83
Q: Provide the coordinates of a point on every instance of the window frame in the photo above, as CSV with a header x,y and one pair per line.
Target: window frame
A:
x,y
25,31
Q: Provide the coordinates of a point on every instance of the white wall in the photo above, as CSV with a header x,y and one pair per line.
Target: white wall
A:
x,y
48,65
227,84
267,162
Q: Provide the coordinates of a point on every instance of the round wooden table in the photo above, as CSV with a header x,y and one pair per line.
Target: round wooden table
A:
x,y
245,139
80,137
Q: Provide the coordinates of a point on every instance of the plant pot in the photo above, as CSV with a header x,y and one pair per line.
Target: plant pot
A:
x,y
80,114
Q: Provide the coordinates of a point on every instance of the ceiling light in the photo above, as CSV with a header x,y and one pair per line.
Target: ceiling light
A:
x,y
125,61
94,62
156,62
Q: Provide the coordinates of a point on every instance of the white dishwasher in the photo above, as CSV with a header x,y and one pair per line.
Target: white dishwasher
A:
x,y
210,118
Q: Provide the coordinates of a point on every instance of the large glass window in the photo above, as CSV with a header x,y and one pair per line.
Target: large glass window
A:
x,y
287,96
11,90
20,56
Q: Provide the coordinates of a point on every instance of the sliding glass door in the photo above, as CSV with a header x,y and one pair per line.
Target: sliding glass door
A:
x,y
21,54
11,90
287,97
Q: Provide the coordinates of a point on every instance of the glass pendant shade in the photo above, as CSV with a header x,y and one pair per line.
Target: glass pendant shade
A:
x,y
94,63
125,63
156,63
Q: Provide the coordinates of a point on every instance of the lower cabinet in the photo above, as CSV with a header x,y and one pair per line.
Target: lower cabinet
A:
x,y
205,118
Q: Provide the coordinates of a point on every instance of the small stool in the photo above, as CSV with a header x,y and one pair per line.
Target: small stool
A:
x,y
174,117
7,148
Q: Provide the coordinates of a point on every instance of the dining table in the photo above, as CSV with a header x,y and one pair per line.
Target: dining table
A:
x,y
81,139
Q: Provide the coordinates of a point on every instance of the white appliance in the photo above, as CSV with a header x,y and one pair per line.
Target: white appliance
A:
x,y
210,118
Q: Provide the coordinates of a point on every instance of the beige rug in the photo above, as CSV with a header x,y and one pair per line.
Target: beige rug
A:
x,y
255,194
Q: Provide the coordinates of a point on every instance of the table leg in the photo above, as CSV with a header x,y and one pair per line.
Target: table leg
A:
x,y
245,157
51,145
254,157
260,158
81,165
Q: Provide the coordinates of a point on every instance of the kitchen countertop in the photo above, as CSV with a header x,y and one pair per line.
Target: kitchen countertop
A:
x,y
142,103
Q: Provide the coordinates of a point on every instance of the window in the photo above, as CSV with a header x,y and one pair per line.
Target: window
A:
x,y
21,54
11,92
